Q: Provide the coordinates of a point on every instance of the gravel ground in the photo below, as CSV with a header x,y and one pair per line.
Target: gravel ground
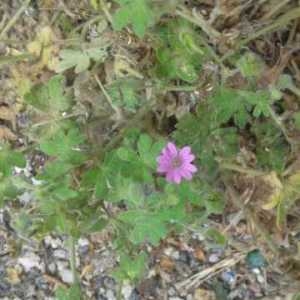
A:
x,y
33,270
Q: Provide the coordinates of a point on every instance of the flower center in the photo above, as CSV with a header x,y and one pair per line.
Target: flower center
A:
x,y
176,162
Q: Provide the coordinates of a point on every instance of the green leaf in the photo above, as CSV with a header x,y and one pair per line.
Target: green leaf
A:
x,y
146,227
72,293
63,193
23,224
271,148
73,58
250,65
64,145
229,104
127,190
90,224
180,53
285,81
216,235
8,190
10,159
261,100
49,97
131,268
149,150
124,94
55,169
80,59
138,13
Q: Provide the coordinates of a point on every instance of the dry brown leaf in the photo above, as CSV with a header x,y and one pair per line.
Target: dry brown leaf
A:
x,y
8,114
276,187
13,275
86,270
166,264
6,134
199,254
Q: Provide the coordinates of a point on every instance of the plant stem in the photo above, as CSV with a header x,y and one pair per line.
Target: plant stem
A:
x,y
73,260
275,9
4,60
295,90
117,111
180,88
280,22
58,119
199,21
210,31
106,12
280,125
240,169
14,19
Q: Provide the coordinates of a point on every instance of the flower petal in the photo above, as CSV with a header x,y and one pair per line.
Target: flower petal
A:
x,y
172,149
164,160
186,174
185,151
177,177
169,177
190,167
187,157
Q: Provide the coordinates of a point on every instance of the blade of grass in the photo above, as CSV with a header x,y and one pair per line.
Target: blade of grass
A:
x,y
280,22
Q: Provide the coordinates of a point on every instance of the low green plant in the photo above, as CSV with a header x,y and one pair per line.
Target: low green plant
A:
x,y
87,186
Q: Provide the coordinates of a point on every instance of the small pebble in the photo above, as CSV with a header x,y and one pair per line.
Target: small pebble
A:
x,y
110,295
256,271
66,275
82,242
126,291
134,295
51,268
229,277
61,254
25,198
171,291
260,278
29,261
83,246
213,258
54,243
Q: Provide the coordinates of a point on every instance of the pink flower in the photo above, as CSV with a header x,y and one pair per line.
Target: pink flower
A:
x,y
176,163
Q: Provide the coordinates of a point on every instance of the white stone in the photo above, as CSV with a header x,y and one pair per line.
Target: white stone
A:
x,y
30,260
126,291
54,243
66,275
60,254
213,258
110,295
82,242
25,198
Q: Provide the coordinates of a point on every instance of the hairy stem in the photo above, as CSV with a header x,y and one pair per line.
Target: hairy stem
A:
x,y
240,169
199,21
